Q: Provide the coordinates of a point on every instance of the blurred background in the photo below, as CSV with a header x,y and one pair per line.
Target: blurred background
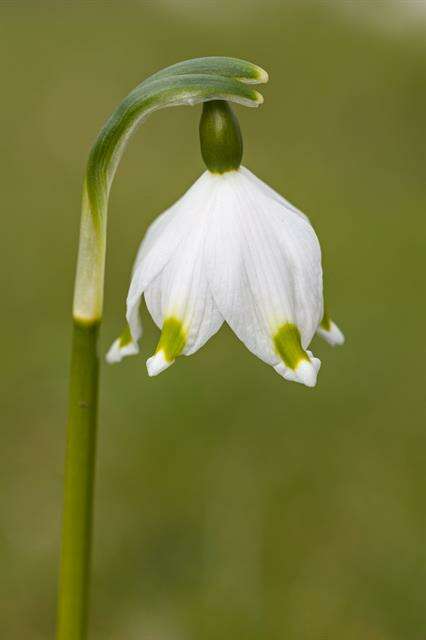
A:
x,y
229,503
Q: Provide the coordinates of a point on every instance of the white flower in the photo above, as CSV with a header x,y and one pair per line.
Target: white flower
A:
x,y
231,249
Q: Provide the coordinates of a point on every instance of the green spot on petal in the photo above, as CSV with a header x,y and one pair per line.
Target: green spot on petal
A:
x,y
288,345
173,338
325,322
125,338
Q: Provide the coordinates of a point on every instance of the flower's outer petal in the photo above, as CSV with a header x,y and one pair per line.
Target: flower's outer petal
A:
x,y
300,244
162,240
330,331
152,234
122,347
264,268
296,364
172,341
127,343
179,298
158,363
156,227
269,191
306,371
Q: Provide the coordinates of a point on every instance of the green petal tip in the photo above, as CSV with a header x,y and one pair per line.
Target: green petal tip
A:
x,y
262,76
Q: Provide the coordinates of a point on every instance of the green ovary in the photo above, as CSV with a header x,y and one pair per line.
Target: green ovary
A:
x,y
288,345
173,338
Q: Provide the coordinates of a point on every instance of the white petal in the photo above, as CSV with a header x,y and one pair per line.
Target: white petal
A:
x,y
158,363
117,351
305,373
162,240
332,334
264,265
181,291
269,191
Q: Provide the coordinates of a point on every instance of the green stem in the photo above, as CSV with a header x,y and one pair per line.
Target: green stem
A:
x,y
79,480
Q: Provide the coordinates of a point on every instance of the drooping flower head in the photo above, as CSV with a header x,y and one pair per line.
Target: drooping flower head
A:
x,y
230,250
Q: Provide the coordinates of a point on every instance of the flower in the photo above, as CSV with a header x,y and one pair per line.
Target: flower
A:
x,y
231,249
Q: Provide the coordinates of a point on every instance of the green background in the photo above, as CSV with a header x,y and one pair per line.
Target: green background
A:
x,y
230,503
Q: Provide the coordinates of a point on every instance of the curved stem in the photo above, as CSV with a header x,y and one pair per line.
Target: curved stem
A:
x,y
186,83
195,83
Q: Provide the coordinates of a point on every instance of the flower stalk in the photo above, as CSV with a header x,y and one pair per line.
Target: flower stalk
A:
x,y
186,83
79,479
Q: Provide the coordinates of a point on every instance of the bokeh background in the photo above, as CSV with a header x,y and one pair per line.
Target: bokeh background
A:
x,y
229,503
